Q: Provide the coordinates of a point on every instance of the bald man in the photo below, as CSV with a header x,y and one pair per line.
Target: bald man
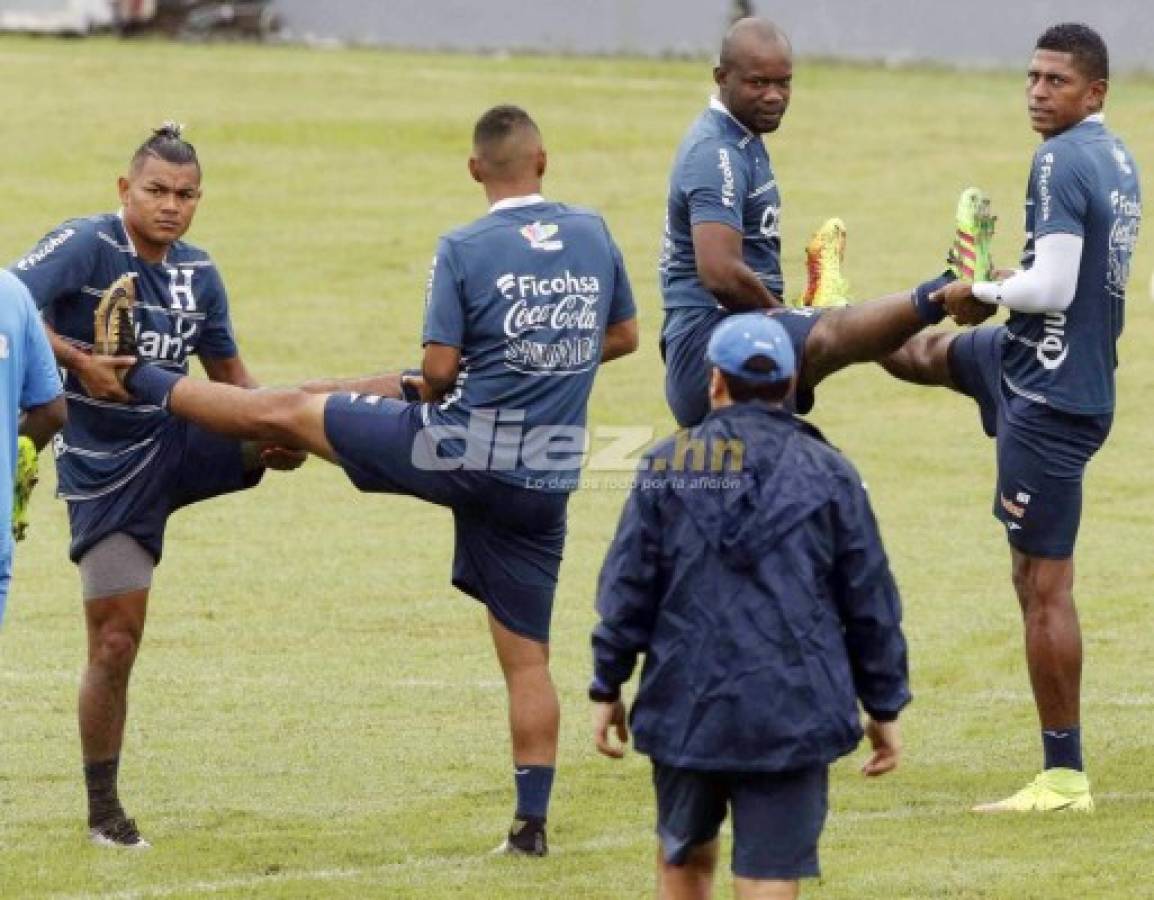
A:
x,y
523,305
722,249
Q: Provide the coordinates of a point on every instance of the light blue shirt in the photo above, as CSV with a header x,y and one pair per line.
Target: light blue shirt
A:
x,y
28,378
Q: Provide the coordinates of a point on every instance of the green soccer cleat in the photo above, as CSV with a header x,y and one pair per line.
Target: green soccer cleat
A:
x,y
27,474
970,255
824,254
1055,790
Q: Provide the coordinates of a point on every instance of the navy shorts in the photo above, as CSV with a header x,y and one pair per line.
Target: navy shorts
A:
x,y
777,817
190,464
509,539
684,339
1042,452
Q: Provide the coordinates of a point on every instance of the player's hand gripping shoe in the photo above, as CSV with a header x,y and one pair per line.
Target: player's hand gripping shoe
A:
x,y
824,255
970,255
113,325
1055,790
27,475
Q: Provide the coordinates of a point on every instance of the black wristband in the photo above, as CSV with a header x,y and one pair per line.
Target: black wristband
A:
x,y
409,392
599,693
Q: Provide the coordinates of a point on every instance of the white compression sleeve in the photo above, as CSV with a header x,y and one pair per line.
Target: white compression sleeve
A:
x,y
1047,286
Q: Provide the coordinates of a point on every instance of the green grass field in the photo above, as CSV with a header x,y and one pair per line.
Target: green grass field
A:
x,y
316,713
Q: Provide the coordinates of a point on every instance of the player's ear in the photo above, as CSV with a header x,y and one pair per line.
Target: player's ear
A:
x,y
718,392
122,189
719,76
475,170
1098,91
542,161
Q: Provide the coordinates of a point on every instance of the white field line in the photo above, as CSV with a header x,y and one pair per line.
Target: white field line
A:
x,y
446,863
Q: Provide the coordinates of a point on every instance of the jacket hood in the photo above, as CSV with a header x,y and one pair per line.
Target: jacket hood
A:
x,y
742,512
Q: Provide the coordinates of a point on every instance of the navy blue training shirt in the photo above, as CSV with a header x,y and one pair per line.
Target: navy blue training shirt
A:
x,y
182,309
1085,183
526,293
722,173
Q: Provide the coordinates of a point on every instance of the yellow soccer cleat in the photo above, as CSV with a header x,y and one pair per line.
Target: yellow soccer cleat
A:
x,y
824,254
1055,790
970,255
27,474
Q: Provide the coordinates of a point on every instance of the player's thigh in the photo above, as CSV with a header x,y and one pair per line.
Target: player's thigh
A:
x,y
684,340
210,465
691,805
778,818
1042,458
383,446
509,543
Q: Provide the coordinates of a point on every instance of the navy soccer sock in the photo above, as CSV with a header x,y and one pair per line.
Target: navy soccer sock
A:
x,y
1062,748
100,781
534,784
931,313
150,384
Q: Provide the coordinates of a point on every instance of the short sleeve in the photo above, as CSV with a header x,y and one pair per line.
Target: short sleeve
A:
x,y
622,307
1062,194
61,264
444,300
41,376
217,340
715,184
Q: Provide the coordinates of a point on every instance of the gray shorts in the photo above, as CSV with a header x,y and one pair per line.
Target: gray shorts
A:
x,y
115,565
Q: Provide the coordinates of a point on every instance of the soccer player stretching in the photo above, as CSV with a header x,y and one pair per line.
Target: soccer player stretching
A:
x,y
1044,382
123,467
523,305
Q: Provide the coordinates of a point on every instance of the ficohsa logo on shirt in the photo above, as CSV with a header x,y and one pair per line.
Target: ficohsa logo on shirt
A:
x,y
46,249
551,325
569,302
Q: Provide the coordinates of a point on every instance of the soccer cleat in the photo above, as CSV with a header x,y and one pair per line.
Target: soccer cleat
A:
x,y
970,254
119,832
1055,790
113,329
27,475
526,838
824,254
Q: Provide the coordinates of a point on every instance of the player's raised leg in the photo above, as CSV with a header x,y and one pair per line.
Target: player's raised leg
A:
x,y
288,416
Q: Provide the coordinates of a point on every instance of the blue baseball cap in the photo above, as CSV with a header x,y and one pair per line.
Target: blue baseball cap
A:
x,y
742,338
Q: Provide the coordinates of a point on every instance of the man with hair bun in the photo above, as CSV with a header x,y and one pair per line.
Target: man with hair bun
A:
x,y
522,307
122,466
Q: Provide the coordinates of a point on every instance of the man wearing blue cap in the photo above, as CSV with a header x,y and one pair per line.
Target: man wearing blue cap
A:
x,y
748,568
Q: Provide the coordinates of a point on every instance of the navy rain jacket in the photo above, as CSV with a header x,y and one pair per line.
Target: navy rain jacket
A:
x,y
762,600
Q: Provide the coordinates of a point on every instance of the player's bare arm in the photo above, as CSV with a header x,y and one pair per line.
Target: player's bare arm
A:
x,y
228,370
384,384
621,339
39,423
439,369
97,373
724,272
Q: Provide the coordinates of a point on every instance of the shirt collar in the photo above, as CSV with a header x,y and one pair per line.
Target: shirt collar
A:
x,y
717,106
516,202
128,238
1097,118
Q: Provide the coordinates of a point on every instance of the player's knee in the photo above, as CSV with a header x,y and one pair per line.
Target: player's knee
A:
x,y
281,417
116,649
